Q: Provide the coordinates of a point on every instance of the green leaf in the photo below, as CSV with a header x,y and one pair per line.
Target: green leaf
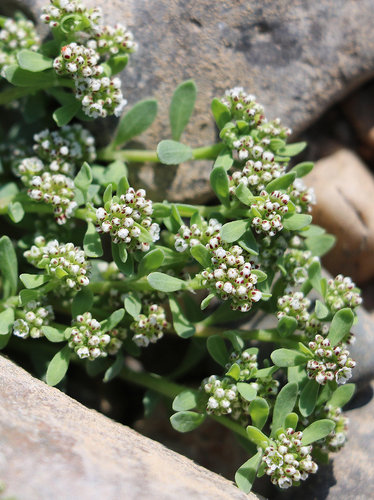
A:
x,y
317,430
52,334
26,296
32,61
314,275
244,194
235,339
34,280
173,152
284,404
320,245
150,401
205,303
182,326
123,186
112,321
287,357
117,64
259,412
295,222
160,210
84,177
202,255
8,267
181,107
23,78
58,366
308,398
119,253
114,172
108,193
291,421
261,276
186,421
281,183
303,168
224,159
220,184
152,260
342,395
135,121
246,474
266,372
92,242
165,283
248,242
286,326
220,112
234,372
6,321
217,349
232,231
115,369
186,400
340,326
257,437
246,391
16,211
321,310
292,149
132,304
82,302
313,230
63,115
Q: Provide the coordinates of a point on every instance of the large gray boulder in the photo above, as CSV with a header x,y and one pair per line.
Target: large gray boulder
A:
x,y
298,58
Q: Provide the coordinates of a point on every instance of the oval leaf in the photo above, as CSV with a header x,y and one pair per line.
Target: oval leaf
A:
x,y
232,231
52,334
220,112
182,326
152,260
246,391
288,357
92,242
317,430
6,321
246,474
32,61
257,437
186,400
308,398
181,107
284,404
8,267
186,421
342,395
295,222
135,121
220,184
259,412
58,366
173,152
340,326
165,283
82,302
217,349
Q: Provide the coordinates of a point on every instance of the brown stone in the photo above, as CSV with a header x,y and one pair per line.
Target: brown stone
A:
x,y
345,205
53,447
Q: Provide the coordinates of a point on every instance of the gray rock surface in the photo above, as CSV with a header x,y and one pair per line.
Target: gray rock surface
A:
x,y
298,58
53,447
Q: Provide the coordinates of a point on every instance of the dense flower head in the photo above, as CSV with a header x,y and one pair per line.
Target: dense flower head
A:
x,y
302,197
269,209
231,277
256,174
125,219
65,149
34,317
100,97
265,387
150,326
89,341
329,363
224,398
60,260
188,237
296,306
62,11
338,437
271,248
314,326
16,34
287,461
112,40
247,361
78,61
56,190
296,263
342,292
243,106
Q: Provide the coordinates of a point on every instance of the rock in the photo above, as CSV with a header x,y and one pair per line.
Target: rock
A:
x,y
362,350
298,59
53,447
345,202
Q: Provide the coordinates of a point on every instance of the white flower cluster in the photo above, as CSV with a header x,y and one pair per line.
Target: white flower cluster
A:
x,y
16,34
257,174
34,316
57,190
65,149
329,363
78,61
296,306
188,237
88,341
302,197
63,261
287,461
314,326
342,292
297,262
125,217
112,40
270,208
223,393
265,387
72,12
247,361
230,277
338,437
243,106
149,327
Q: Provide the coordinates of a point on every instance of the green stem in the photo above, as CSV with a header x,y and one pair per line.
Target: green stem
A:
x,y
141,156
